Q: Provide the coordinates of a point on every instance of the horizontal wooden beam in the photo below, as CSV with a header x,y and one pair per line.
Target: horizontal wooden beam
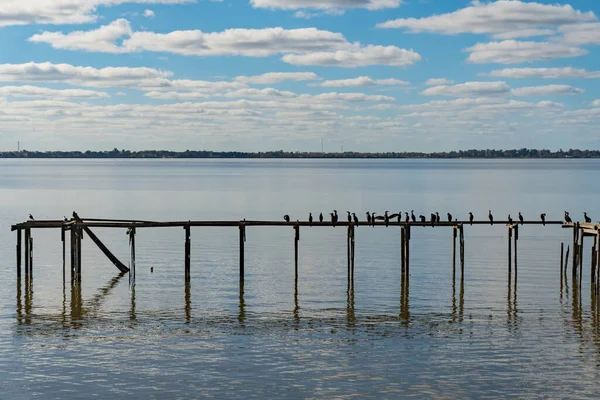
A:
x,y
172,224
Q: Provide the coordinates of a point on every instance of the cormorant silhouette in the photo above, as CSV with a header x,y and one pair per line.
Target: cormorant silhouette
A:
x,y
568,218
386,218
31,217
349,217
521,217
334,217
286,218
310,219
355,219
470,218
587,219
66,219
407,219
432,219
490,217
320,217
437,217
412,216
422,218
368,218
510,221
543,218
449,217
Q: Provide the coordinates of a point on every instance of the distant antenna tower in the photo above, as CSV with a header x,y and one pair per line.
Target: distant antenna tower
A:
x,y
19,146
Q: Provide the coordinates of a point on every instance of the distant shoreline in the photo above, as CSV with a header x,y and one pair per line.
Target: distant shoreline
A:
x,y
192,154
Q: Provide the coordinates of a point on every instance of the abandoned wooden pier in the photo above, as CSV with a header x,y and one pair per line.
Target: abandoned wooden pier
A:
x,y
79,227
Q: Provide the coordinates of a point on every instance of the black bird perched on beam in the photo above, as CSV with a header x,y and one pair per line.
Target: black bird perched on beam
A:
x,y
543,218
355,219
66,219
349,217
437,217
449,217
422,218
490,217
399,216
407,219
521,217
334,217
31,217
368,218
432,218
470,218
587,219
286,218
510,221
567,218
310,219
386,218
412,216
320,217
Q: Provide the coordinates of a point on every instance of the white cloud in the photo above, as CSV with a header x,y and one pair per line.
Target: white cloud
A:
x,y
247,42
305,46
494,17
149,14
276,77
548,90
546,73
360,57
523,33
350,97
260,93
515,52
175,95
60,12
581,33
36,91
325,4
84,76
469,89
596,103
102,39
362,81
438,82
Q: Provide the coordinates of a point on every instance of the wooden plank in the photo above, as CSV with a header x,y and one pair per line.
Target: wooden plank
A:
x,y
105,250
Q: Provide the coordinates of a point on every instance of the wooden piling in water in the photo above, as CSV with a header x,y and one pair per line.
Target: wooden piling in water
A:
x,y
516,239
580,256
510,234
575,247
353,243
348,250
64,251
73,255
79,237
402,251
454,236
242,228
30,255
132,232
562,258
296,240
462,252
567,260
407,253
188,256
27,252
18,253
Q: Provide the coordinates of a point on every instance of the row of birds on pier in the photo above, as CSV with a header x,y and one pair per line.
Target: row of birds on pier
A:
x,y
433,218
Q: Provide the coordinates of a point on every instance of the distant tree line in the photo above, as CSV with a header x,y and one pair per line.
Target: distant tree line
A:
x,y
116,153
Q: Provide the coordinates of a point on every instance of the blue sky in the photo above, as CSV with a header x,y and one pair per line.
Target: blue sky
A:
x,y
252,75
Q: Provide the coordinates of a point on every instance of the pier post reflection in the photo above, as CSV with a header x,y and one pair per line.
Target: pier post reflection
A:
x,y
576,313
404,295
242,304
188,301
296,305
76,305
19,302
350,314
458,312
132,313
512,317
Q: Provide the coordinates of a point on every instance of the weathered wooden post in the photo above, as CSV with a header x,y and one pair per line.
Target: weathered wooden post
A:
x,y
454,235
348,250
510,234
580,256
462,252
18,253
64,251
593,261
575,246
188,257
567,261
242,241
562,258
402,251
27,251
296,240
73,255
516,239
353,247
132,233
30,257
79,237
407,253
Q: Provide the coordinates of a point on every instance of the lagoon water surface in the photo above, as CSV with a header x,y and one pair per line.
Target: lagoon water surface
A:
x,y
160,339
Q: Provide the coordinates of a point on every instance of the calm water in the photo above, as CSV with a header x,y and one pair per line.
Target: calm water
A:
x,y
161,339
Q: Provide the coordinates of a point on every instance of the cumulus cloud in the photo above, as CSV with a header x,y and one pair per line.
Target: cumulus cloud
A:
x,y
36,91
596,103
362,81
277,77
149,14
325,4
515,52
580,34
438,82
358,57
546,73
548,90
305,46
102,39
494,17
61,12
469,89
